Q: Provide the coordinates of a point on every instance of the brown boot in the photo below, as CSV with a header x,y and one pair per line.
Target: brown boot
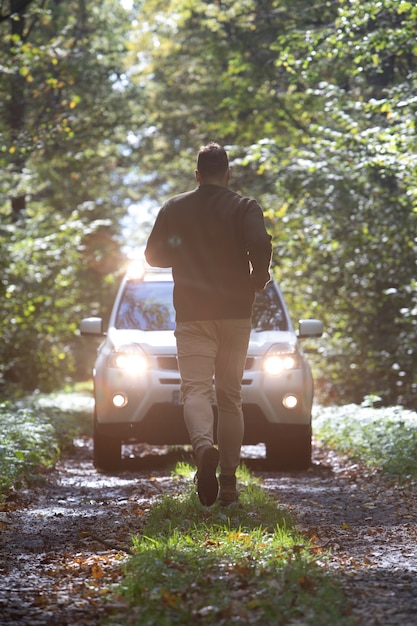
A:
x,y
228,492
207,485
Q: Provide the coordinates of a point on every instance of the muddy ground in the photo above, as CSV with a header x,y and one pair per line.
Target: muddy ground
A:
x,y
63,541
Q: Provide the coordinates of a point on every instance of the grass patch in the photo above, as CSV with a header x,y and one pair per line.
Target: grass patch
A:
x,y
379,437
246,565
35,430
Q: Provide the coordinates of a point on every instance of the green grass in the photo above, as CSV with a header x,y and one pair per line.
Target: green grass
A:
x,y
381,437
245,565
35,430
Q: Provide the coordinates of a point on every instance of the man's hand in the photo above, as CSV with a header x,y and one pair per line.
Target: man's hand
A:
x,y
259,282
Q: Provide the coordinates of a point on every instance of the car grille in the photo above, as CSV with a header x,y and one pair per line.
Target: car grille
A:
x,y
171,363
168,363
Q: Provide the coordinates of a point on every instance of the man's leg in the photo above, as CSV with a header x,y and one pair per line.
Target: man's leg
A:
x,y
197,346
196,354
229,368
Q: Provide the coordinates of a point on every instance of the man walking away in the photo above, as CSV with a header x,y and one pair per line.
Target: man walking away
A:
x,y
217,245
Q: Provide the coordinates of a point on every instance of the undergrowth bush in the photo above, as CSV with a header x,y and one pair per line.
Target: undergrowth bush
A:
x,y
381,437
26,441
34,431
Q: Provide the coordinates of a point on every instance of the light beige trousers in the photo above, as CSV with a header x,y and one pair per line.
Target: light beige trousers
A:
x,y
214,351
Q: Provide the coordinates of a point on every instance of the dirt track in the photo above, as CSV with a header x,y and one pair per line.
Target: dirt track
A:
x,y
64,541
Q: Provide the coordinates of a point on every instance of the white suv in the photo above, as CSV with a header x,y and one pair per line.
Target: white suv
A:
x,y
137,383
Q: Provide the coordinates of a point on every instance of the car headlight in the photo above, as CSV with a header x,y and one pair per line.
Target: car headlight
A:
x,y
281,358
130,359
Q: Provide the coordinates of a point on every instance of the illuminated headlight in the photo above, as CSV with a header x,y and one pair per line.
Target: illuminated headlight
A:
x,y
119,400
130,359
290,401
281,359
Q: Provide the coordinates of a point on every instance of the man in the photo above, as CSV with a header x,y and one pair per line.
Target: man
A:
x,y
216,243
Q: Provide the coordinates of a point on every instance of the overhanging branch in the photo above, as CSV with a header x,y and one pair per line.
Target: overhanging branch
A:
x,y
14,7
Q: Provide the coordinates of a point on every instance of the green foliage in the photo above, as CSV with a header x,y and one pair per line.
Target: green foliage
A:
x,y
358,182
317,106
102,108
35,430
65,107
385,438
215,566
43,289
25,443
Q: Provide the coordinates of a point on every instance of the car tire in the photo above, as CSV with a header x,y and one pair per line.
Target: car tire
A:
x,y
288,447
107,450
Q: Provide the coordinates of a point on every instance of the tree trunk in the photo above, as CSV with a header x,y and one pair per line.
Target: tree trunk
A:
x,y
17,100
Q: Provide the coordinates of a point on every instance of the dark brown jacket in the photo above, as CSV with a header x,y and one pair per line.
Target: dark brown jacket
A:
x,y
217,245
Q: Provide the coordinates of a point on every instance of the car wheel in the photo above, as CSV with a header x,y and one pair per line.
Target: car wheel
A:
x,y
107,452
288,447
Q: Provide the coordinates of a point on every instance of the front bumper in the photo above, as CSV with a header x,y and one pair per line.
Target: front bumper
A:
x,y
153,410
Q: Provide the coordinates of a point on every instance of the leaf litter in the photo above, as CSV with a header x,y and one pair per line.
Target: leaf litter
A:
x,y
64,541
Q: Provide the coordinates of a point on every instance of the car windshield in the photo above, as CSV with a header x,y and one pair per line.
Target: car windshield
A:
x,y
148,306
268,312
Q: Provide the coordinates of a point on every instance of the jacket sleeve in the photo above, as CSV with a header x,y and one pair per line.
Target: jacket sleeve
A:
x,y
158,251
258,245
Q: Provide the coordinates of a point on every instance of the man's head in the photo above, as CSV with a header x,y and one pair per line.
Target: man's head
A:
x,y
212,165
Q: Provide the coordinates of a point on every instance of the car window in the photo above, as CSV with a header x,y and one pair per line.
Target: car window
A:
x,y
146,306
268,313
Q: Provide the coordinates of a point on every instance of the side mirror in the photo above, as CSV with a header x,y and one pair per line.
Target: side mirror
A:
x,y
92,326
310,328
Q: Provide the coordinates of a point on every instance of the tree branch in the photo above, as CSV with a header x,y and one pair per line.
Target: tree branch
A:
x,y
16,6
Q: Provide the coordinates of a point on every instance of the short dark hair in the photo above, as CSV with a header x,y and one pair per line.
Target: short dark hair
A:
x,y
212,160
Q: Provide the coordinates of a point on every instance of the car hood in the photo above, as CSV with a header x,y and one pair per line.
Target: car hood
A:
x,y
163,341
261,341
152,341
